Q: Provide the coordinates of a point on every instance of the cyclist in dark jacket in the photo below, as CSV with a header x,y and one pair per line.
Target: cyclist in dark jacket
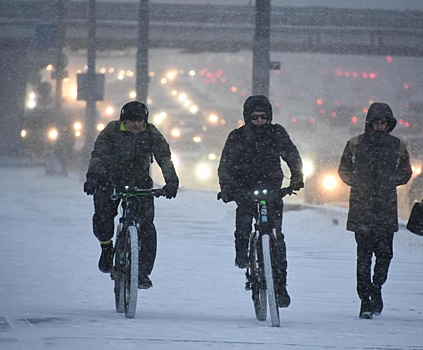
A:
x,y
122,156
251,158
374,164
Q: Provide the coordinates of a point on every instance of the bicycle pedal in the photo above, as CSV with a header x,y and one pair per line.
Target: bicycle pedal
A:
x,y
248,286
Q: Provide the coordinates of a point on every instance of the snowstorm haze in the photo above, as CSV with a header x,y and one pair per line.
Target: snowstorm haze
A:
x,y
52,295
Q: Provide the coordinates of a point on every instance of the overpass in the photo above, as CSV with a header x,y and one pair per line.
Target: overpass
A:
x,y
192,28
197,28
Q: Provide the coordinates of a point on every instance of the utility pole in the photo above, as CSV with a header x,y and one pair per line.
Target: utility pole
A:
x,y
261,49
90,86
142,52
60,58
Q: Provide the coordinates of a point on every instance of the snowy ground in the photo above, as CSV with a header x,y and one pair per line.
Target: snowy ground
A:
x,y
53,297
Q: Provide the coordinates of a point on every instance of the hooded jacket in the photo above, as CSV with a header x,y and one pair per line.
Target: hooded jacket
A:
x,y
251,157
122,158
374,164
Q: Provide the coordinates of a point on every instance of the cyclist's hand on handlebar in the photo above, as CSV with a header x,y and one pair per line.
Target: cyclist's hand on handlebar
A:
x,y
170,190
296,183
225,195
90,187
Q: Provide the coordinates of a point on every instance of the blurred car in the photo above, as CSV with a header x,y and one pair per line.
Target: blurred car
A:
x,y
322,182
415,185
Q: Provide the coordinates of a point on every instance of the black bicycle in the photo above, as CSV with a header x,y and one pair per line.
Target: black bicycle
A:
x,y
262,271
128,246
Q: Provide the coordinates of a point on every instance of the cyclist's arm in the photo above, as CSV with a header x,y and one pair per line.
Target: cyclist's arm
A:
x,y
101,156
289,152
162,154
228,160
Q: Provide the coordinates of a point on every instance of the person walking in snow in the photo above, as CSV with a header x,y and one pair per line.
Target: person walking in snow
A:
x,y
374,164
251,158
122,155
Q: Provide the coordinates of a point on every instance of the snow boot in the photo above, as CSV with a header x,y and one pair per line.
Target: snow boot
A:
x,y
366,310
144,282
377,302
284,300
106,259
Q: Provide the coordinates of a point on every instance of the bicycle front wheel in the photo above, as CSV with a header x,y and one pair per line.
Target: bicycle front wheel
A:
x,y
117,275
131,271
268,272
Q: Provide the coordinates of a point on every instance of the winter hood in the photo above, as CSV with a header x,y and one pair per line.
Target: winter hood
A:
x,y
257,103
379,110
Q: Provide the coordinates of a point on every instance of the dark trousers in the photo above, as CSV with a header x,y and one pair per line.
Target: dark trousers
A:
x,y
105,211
367,245
245,212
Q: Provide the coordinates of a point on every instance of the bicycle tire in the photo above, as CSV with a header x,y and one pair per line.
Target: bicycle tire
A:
x,y
259,294
119,292
268,272
131,272
116,274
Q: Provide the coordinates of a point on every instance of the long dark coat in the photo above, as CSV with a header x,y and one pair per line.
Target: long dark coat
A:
x,y
374,164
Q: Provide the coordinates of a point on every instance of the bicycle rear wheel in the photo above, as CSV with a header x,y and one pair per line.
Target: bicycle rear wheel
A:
x,y
258,290
131,272
268,272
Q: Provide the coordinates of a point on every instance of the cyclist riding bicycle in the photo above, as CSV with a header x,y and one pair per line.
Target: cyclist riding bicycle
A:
x,y
122,155
251,159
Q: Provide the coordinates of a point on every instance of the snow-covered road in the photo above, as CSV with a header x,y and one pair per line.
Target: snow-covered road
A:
x,y
52,295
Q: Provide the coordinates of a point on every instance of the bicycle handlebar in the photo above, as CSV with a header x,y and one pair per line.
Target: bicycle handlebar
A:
x,y
127,190
282,192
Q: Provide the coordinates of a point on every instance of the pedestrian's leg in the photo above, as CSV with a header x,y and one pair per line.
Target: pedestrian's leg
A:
x,y
383,248
364,262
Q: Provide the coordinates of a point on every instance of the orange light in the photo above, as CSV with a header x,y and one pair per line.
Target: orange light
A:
x,y
319,101
354,119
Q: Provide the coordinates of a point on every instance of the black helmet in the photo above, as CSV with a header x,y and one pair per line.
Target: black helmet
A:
x,y
134,110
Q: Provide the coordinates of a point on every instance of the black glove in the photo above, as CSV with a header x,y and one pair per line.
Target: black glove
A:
x,y
170,190
225,195
90,187
296,183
